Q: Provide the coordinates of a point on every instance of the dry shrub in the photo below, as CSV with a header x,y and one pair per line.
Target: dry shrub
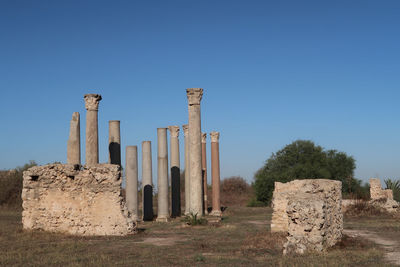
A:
x,y
349,242
363,208
235,191
265,242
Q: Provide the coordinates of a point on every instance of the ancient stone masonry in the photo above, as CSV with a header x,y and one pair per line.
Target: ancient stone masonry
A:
x,y
382,199
310,211
376,190
78,201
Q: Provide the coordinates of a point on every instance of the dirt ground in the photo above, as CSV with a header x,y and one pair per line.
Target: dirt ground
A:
x,y
241,239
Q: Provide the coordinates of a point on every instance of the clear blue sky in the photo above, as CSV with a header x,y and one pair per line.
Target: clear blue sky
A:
x,y
272,72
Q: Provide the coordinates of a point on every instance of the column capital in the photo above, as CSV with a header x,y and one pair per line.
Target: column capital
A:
x,y
214,137
204,137
92,101
194,95
185,128
174,131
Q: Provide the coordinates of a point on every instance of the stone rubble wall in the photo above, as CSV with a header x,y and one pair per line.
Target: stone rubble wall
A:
x,y
74,199
310,211
377,192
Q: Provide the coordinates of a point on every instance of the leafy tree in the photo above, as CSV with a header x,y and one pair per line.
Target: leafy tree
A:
x,y
302,159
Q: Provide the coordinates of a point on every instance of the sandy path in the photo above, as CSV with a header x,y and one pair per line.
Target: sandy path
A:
x,y
392,247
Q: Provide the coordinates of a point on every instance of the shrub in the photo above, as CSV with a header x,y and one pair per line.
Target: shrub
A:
x,y
192,219
364,208
303,159
11,185
235,191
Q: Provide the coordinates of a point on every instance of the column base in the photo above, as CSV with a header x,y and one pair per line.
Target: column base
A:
x,y
162,218
216,213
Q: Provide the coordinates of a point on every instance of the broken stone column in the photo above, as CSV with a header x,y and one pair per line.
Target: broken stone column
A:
x,y
187,169
175,172
131,170
204,165
194,96
74,140
147,181
215,174
92,130
114,142
162,173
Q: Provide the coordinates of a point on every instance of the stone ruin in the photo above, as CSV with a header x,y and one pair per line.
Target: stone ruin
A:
x,y
382,198
76,200
87,199
310,211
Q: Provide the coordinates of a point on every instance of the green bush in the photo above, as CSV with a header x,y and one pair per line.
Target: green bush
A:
x,y
11,185
303,159
192,219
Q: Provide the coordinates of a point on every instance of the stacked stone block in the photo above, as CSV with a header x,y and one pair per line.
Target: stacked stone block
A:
x,y
310,211
73,200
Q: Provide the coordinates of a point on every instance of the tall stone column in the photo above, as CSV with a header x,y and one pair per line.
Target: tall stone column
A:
x,y
175,172
74,140
162,173
114,142
204,165
187,169
216,202
92,129
131,170
194,96
147,181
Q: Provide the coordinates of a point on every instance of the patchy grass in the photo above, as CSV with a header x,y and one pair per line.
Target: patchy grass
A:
x,y
241,239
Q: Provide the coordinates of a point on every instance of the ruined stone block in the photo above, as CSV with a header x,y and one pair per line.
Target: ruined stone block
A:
x,y
77,200
376,190
310,211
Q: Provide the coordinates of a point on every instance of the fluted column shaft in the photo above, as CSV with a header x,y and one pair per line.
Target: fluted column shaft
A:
x,y
196,197
92,130
147,181
162,175
74,140
187,169
114,142
131,170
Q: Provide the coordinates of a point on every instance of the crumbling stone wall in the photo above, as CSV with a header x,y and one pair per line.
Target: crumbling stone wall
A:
x,y
310,211
75,200
376,190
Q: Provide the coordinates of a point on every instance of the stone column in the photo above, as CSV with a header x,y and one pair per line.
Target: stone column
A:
x,y
204,165
92,130
216,202
162,173
147,182
187,169
194,96
114,143
131,170
175,172
74,140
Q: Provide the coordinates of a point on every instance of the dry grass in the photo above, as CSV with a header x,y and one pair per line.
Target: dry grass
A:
x,y
362,208
242,239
